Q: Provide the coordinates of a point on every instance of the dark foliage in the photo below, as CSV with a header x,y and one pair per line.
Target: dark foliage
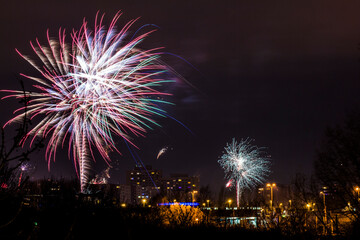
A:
x,y
338,165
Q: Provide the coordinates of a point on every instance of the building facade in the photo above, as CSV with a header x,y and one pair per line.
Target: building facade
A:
x,y
181,187
144,183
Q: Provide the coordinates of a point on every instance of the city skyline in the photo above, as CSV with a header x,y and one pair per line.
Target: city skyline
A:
x,y
173,188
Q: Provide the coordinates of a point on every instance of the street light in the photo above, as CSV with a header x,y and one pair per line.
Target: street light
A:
x,y
325,219
322,193
144,202
357,189
308,205
229,201
271,186
192,194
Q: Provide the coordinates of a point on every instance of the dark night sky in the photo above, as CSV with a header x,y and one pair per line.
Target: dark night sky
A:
x,y
275,71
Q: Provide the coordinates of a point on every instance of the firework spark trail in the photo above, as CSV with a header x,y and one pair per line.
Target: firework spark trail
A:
x,y
99,86
161,152
245,165
141,164
24,167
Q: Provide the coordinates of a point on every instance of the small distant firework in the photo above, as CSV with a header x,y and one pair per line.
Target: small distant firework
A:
x,y
229,183
162,151
25,168
101,178
98,86
245,165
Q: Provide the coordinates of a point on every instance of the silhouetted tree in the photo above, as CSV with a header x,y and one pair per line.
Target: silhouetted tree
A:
x,y
338,166
12,156
221,197
204,195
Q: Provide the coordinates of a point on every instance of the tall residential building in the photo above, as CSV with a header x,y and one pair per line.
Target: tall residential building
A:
x,y
125,193
181,182
144,183
181,187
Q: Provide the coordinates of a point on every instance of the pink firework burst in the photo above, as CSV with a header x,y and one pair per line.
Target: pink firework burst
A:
x,y
99,86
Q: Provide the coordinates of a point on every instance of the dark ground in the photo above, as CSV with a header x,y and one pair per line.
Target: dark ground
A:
x,y
92,222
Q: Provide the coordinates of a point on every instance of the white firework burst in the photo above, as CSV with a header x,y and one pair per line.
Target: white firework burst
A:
x,y
245,165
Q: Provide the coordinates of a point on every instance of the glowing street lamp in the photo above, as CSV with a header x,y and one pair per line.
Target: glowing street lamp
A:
x,y
308,205
271,186
193,197
357,189
322,193
325,219
229,201
144,202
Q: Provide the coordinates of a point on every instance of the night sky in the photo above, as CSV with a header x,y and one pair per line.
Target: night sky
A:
x,y
279,72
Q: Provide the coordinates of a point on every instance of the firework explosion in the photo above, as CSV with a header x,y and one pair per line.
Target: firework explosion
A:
x,y
98,86
244,166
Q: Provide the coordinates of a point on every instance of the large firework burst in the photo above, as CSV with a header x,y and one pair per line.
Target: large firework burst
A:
x,y
245,165
100,85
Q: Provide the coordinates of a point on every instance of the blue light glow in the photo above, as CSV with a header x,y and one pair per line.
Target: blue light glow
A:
x,y
193,204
